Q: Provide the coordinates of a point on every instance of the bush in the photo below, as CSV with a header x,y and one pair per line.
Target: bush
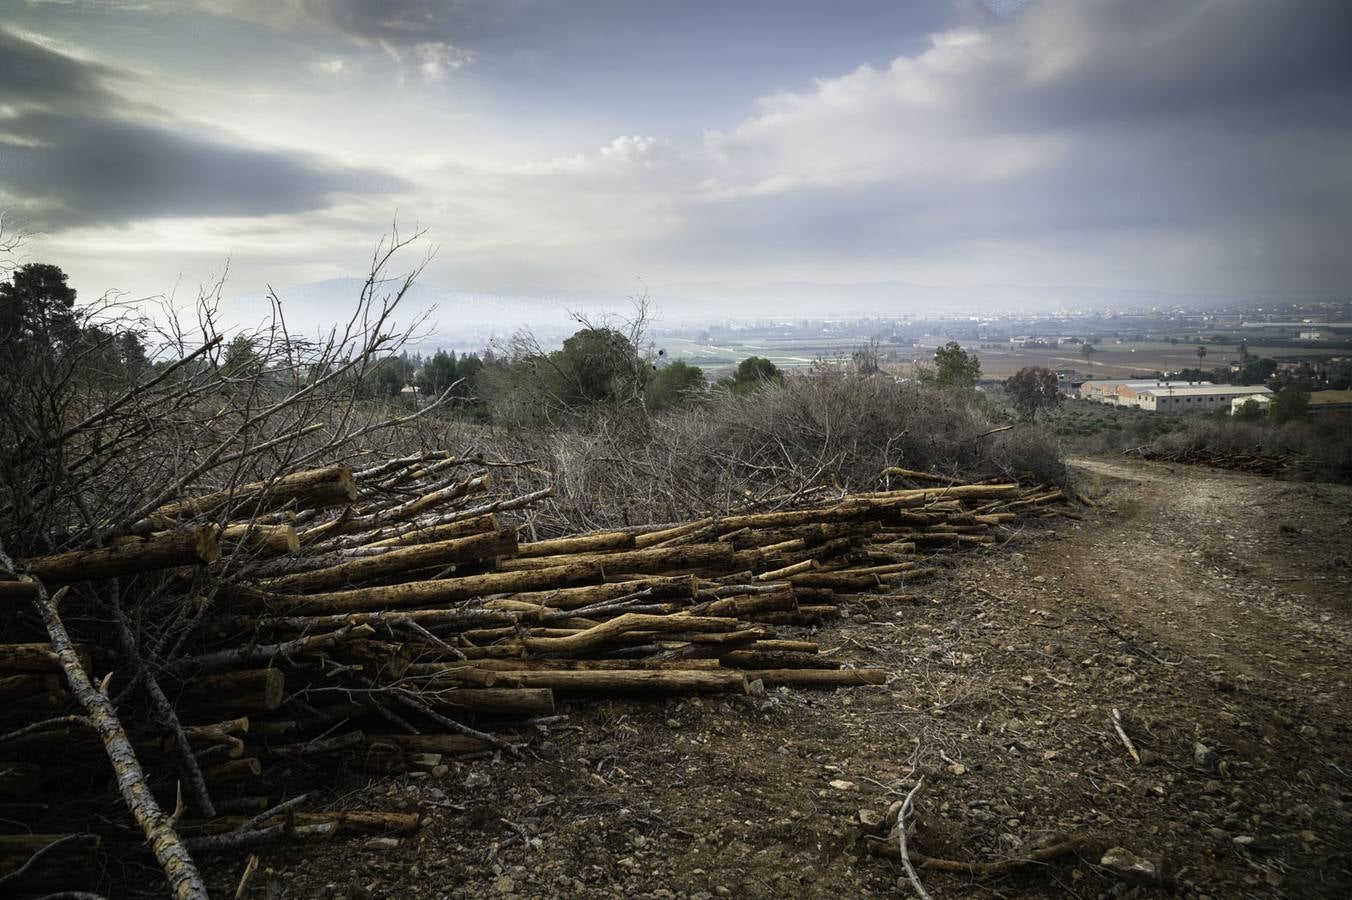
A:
x,y
807,436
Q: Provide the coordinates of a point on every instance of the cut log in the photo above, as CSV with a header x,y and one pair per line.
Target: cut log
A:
x,y
441,532
68,862
608,682
233,772
817,677
650,561
18,779
587,543
457,550
37,658
314,488
128,556
269,539
504,701
445,744
250,691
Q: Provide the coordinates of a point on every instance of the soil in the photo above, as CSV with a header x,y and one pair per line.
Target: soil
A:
x,y
1213,609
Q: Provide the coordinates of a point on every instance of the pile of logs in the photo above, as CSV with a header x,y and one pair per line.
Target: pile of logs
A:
x,y
390,620
1253,463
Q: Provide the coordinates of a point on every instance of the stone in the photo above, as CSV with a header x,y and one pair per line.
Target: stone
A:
x,y
1203,756
1133,868
841,784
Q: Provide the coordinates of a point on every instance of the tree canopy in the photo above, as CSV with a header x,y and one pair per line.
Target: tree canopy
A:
x,y
1031,389
955,367
37,305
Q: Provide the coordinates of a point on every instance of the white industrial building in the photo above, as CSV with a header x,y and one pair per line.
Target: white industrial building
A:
x,y
1263,400
1196,398
1170,396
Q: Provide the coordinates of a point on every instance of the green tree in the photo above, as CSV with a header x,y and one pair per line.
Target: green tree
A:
x,y
955,367
1256,371
598,365
437,374
37,305
1032,389
675,384
240,357
389,376
1291,403
754,372
1201,352
1250,411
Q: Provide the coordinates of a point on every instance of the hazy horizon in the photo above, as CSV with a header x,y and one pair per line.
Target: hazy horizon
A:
x,y
752,159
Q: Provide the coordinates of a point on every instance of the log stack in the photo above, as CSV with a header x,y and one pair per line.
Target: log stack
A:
x,y
396,617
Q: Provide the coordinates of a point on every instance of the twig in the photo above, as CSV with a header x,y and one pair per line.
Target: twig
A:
x,y
907,807
1126,741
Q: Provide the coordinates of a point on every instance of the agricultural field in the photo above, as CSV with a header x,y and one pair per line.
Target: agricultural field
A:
x,y
1114,360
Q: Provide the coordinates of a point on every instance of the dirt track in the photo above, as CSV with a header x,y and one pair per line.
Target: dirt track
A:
x,y
1209,607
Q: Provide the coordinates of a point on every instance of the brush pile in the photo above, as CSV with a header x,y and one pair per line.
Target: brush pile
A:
x,y
1254,463
386,620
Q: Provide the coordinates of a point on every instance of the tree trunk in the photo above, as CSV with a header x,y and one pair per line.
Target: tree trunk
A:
x,y
128,556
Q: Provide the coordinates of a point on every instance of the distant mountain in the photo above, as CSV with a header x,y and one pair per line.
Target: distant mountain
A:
x,y
465,321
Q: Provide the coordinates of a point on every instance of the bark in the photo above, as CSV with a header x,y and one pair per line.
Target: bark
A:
x,y
234,693
441,532
588,543
816,677
607,682
128,556
650,561
174,859
328,486
265,539
34,863
37,658
507,701
458,550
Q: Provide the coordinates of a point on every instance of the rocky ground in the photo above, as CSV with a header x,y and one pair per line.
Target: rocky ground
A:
x,y
1213,609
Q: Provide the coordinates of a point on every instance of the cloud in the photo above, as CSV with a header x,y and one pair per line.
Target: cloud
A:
x,y
422,35
75,152
1086,125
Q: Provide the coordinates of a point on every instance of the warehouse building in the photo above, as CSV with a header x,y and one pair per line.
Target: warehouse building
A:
x,y
1127,393
1195,398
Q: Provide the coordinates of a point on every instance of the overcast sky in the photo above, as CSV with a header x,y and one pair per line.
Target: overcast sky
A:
x,y
1181,145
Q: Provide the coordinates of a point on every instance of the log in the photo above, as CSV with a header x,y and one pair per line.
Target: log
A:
x,y
313,488
18,779
650,561
608,631
445,744
456,550
233,772
913,475
68,862
816,677
37,658
272,539
587,543
444,532
129,556
656,588
16,595
505,701
179,870
14,688
774,659
250,691
437,591
349,822
609,682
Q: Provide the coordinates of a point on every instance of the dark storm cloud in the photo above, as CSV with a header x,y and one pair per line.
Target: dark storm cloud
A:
x,y
74,152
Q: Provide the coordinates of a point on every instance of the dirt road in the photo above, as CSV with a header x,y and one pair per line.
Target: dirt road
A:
x,y
1213,609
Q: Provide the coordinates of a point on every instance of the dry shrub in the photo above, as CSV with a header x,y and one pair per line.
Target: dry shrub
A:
x,y
1321,447
814,435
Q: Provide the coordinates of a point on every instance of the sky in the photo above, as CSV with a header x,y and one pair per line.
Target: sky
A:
x,y
695,148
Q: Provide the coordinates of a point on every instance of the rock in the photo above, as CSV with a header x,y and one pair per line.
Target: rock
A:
x,y
1133,868
841,784
1203,756
382,843
504,885
958,769
477,780
871,819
